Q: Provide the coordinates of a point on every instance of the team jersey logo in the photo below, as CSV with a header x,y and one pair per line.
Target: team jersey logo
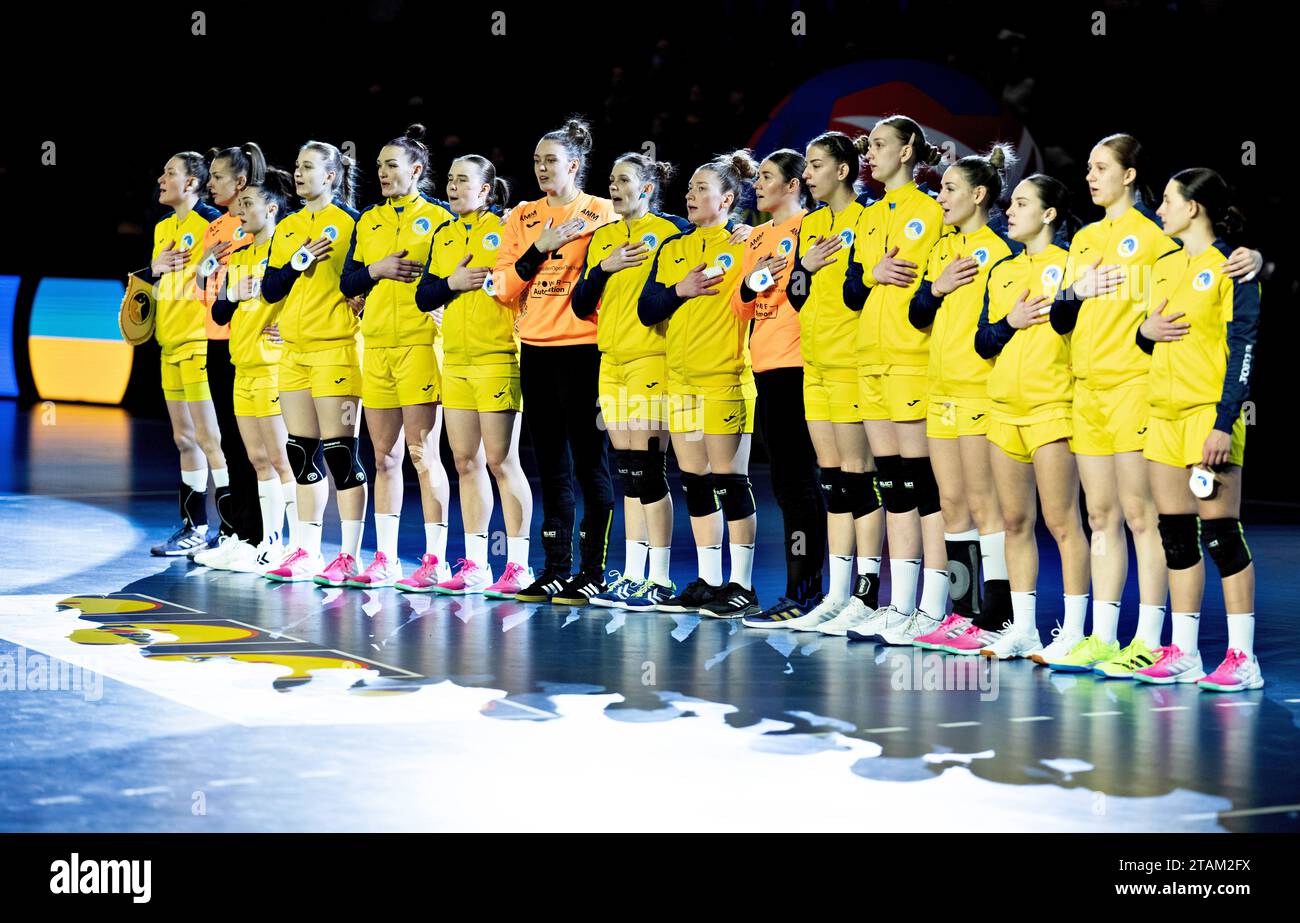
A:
x,y
1128,246
846,235
422,226
981,255
209,266
489,286
650,241
265,262
785,247
240,233
914,229
1203,280
187,241
582,223
330,231
491,241
1051,278
724,261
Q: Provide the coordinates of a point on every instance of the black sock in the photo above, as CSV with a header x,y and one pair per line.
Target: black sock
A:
x,y
996,607
963,576
194,506
222,500
867,589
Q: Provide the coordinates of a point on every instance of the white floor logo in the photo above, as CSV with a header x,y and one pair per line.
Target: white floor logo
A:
x,y
103,876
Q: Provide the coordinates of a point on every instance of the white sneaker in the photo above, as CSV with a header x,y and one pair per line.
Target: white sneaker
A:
x,y
231,552
874,626
823,612
851,616
1062,644
1014,642
222,548
246,560
919,623
269,555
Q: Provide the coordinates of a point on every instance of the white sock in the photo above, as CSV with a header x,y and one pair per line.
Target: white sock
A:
x,y
1105,620
1241,632
934,593
476,548
517,550
196,480
1076,611
869,566
386,525
220,477
635,552
993,555
1187,629
841,577
1151,621
1024,608
270,499
352,529
290,489
903,573
742,565
659,558
310,534
710,561
435,540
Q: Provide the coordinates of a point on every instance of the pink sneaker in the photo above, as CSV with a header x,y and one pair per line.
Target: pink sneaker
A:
x,y
296,567
515,578
426,577
1237,673
339,572
1172,666
381,573
948,629
469,578
971,641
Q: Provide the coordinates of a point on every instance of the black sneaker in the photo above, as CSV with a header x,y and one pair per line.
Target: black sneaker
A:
x,y
543,588
579,590
696,594
733,601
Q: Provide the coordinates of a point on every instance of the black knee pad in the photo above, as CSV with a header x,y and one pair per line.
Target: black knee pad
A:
x,y
1181,536
860,495
1226,543
830,485
648,472
305,459
341,457
622,468
735,495
918,473
700,498
889,480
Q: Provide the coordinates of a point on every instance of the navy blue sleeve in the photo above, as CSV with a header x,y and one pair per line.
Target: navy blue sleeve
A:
x,y
1147,346
855,286
586,294
680,223
222,310
1243,333
433,291
355,279
657,301
277,283
925,305
747,294
1065,311
799,286
991,339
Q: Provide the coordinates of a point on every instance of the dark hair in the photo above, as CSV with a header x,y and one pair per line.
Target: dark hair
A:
x,y
575,137
412,142
911,133
196,167
1209,190
1128,151
791,164
988,171
246,160
735,171
845,150
499,197
277,188
655,172
1052,193
345,175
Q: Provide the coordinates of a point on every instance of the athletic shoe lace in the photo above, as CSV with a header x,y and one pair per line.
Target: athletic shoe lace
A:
x,y
1056,632
513,570
380,562
1234,660
428,566
465,567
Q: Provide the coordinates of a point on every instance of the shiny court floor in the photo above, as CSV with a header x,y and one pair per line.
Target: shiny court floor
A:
x,y
146,694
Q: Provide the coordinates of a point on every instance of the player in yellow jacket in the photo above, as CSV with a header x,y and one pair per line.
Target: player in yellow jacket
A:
x,y
179,329
948,303
1201,332
690,286
320,364
401,382
480,384
1030,390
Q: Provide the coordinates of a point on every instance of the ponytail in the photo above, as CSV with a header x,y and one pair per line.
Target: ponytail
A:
x,y
844,150
1209,190
734,171
247,161
1052,193
655,172
909,132
499,196
988,171
344,167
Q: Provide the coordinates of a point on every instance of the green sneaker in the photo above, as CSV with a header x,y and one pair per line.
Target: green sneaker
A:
x,y
1085,655
1137,656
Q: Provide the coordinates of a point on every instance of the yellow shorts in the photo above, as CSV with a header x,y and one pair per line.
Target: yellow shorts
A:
x,y
950,417
1181,442
489,389
831,394
257,395
333,372
896,393
400,376
1111,421
717,411
185,377
1021,440
632,392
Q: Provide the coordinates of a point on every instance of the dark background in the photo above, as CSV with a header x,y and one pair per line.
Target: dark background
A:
x,y
120,90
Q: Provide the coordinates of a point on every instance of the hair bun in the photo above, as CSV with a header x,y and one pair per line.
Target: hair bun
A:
x,y
580,132
415,132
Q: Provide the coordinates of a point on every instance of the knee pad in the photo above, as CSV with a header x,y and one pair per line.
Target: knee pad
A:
x,y
860,496
305,459
700,498
648,472
830,486
1226,543
889,479
735,495
918,473
1181,536
341,457
622,467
